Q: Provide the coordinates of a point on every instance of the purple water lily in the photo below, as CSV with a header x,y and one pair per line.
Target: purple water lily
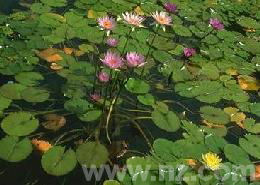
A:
x,y
216,24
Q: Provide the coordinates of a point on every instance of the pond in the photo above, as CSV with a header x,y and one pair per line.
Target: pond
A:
x,y
130,92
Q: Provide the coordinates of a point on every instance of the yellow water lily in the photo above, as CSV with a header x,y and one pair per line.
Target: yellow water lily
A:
x,y
211,161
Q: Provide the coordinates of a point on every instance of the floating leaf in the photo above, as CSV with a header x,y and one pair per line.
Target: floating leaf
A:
x,y
255,108
50,55
19,124
111,182
58,162
251,144
56,3
77,105
5,102
54,122
214,115
14,149
248,83
236,155
91,115
181,30
33,94
167,121
146,99
92,154
251,126
137,86
12,91
29,78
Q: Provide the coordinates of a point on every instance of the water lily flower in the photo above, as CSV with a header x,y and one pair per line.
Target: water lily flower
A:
x,y
162,18
112,60
189,52
133,19
95,96
211,161
134,59
170,7
106,23
216,24
103,77
112,42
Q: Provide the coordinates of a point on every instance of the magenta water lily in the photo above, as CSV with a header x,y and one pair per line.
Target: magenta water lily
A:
x,y
170,7
216,24
189,52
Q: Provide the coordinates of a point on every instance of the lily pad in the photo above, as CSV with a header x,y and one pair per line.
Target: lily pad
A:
x,y
111,182
167,121
251,144
19,124
29,78
146,99
14,149
137,86
58,162
92,154
236,155
91,115
12,91
35,95
214,115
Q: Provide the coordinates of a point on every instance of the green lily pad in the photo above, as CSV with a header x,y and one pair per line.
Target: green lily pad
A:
x,y
5,102
181,30
111,182
14,149
236,155
146,99
91,115
29,78
137,86
167,121
35,95
77,105
12,91
58,162
251,144
56,3
214,115
92,154
19,124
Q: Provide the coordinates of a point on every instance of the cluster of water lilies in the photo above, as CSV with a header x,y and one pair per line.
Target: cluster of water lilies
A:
x,y
114,61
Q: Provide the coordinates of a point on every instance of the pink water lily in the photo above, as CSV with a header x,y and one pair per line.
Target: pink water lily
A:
x,y
112,60
95,96
216,24
103,77
134,59
107,23
162,18
133,19
112,42
189,52
170,7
